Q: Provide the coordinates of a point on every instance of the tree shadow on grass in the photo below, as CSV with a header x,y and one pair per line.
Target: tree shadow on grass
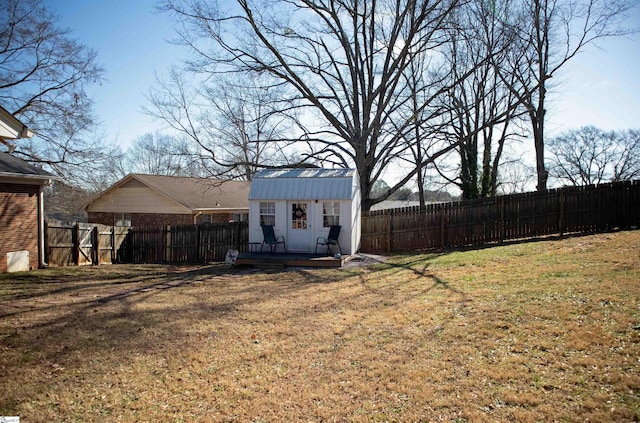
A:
x,y
111,317
425,283
55,281
70,304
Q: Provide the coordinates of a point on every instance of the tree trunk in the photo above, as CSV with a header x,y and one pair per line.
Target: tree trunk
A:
x,y
538,136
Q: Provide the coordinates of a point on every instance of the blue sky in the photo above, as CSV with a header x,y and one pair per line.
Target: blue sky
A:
x,y
600,87
131,38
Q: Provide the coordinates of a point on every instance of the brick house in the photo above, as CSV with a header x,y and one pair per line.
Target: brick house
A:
x,y
155,200
21,203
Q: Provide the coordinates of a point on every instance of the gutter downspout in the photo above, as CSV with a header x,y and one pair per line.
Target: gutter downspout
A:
x,y
41,229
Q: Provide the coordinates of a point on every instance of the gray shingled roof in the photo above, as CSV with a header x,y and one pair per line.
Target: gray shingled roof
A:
x,y
194,193
14,167
197,193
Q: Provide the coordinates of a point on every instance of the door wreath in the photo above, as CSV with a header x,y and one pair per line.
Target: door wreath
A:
x,y
299,213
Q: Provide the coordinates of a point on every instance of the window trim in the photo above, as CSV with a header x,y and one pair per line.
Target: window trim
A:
x,y
335,209
122,217
267,209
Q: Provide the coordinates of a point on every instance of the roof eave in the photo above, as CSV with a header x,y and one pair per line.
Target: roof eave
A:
x,y
11,127
221,209
9,177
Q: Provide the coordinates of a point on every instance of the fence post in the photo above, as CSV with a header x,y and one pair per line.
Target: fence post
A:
x,y
45,253
75,237
112,236
442,227
389,218
561,199
95,246
238,234
199,257
503,226
167,243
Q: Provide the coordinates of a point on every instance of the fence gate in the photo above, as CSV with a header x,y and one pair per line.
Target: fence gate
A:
x,y
85,244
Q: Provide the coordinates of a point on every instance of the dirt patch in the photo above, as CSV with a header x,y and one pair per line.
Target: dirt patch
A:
x,y
361,259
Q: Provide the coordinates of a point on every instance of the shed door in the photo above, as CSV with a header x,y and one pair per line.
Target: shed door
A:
x,y
298,224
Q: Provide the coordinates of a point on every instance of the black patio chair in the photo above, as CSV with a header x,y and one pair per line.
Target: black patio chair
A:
x,y
271,240
332,239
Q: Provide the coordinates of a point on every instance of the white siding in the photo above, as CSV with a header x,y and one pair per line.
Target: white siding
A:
x,y
356,228
136,198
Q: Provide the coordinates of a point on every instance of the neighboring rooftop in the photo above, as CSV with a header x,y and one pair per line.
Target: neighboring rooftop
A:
x,y
192,193
394,204
14,167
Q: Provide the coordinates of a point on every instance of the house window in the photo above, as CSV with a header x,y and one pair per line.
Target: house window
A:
x,y
240,217
268,213
330,213
205,218
122,219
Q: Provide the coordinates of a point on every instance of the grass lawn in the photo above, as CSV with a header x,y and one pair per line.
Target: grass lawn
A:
x,y
540,331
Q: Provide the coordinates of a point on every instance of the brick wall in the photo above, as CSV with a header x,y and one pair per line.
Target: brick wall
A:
x,y
101,218
18,222
146,220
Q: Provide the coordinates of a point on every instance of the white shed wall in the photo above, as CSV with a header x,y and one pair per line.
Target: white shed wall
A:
x,y
356,227
349,238
299,186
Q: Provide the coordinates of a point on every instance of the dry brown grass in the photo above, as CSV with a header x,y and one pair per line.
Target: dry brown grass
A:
x,y
544,331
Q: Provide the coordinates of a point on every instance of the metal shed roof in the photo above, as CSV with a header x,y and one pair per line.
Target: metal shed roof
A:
x,y
303,184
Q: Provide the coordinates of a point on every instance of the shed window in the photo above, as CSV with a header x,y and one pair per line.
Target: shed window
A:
x,y
330,213
123,219
268,213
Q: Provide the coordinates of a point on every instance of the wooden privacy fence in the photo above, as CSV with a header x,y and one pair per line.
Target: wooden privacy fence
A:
x,y
185,243
82,243
585,209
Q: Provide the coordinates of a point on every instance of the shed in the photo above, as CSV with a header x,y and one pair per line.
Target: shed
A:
x,y
302,204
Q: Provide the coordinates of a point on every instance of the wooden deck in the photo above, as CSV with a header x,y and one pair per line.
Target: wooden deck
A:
x,y
281,260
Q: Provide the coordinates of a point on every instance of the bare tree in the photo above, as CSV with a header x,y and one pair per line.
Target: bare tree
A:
x,y
65,202
424,83
515,177
551,33
229,123
342,62
43,75
592,156
158,154
626,161
481,107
